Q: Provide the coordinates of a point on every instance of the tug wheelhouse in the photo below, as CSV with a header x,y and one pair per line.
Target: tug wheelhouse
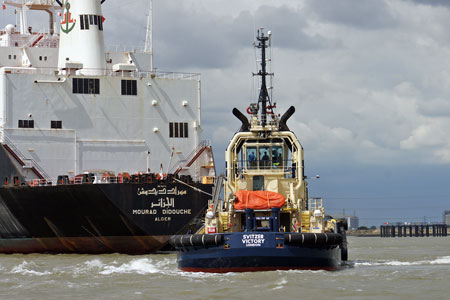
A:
x,y
266,160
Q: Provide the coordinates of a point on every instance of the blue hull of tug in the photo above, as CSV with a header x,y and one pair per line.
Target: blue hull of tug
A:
x,y
258,251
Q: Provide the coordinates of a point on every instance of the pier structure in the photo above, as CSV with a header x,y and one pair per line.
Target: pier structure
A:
x,y
413,230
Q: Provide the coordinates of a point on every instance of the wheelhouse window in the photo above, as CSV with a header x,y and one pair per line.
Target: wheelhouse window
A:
x,y
129,87
178,130
251,157
264,156
86,86
277,156
56,124
26,123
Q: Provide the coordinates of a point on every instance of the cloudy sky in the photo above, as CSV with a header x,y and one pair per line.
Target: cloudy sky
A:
x,y
370,80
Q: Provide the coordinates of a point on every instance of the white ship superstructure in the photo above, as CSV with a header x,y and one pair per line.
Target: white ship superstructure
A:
x,y
67,106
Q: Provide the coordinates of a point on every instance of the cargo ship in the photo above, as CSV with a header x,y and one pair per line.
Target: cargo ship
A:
x,y
266,220
99,152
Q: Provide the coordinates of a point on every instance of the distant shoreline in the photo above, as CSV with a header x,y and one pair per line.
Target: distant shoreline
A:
x,y
371,233
364,233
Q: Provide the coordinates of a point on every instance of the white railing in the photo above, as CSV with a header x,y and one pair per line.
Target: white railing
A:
x,y
28,163
314,203
147,74
125,48
184,162
41,2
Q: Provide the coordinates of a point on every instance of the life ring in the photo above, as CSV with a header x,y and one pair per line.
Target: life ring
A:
x,y
249,111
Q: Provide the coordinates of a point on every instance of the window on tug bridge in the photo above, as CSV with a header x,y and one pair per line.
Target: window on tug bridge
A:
x,y
264,157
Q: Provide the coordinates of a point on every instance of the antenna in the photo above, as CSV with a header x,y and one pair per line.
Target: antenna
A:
x,y
263,43
149,36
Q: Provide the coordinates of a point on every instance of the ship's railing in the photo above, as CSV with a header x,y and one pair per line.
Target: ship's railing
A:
x,y
156,74
125,48
91,178
27,162
74,180
315,203
274,165
41,2
41,39
175,75
31,71
190,158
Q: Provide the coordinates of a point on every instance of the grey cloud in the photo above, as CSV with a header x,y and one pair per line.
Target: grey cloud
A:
x,y
363,14
187,39
289,26
431,2
435,108
190,39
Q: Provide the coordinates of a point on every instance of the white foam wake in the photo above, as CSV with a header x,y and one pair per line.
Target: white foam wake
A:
x,y
444,260
25,269
139,266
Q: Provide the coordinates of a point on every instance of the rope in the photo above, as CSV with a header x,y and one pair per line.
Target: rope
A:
x,y
193,187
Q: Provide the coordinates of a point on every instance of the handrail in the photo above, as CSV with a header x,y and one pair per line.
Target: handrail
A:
x,y
34,165
184,162
110,72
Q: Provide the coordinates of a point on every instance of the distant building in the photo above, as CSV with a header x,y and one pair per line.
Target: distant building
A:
x,y
447,217
352,221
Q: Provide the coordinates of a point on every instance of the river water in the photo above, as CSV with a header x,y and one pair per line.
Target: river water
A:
x,y
388,268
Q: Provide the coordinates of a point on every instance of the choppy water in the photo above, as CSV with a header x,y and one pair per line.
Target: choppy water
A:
x,y
395,268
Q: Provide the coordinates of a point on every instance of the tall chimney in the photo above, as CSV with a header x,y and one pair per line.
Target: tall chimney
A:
x,y
81,37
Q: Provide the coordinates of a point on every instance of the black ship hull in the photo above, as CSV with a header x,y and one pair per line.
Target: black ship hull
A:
x,y
131,218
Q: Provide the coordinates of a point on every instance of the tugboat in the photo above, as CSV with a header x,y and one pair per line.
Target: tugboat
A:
x,y
266,220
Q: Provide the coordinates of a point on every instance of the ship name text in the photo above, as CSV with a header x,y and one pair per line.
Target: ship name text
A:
x,y
253,240
162,208
161,191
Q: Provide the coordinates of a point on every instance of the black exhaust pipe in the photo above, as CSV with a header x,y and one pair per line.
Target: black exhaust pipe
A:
x,y
245,124
285,117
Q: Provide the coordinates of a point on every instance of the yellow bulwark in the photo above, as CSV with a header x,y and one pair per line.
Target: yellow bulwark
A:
x,y
305,221
224,221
